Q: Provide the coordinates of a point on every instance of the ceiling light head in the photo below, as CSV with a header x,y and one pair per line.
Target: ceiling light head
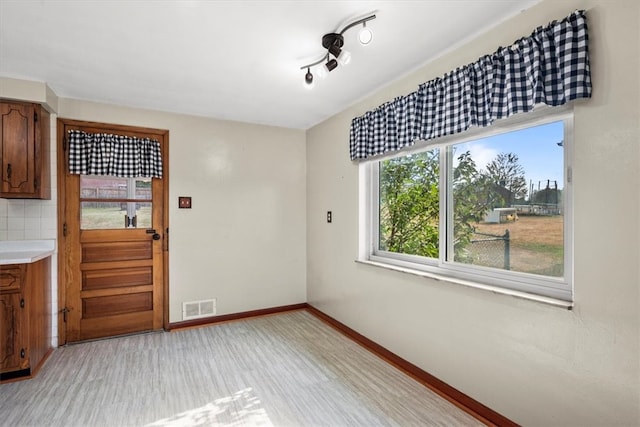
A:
x,y
308,79
365,35
344,58
331,65
322,72
333,42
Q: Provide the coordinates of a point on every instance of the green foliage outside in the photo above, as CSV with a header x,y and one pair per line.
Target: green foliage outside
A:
x,y
473,195
409,199
409,204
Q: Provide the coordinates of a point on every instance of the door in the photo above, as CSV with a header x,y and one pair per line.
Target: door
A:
x,y
114,253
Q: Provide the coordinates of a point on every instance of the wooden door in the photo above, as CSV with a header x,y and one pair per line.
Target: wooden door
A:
x,y
115,247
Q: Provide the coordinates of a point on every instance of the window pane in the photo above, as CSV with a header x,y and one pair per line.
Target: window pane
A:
x,y
113,215
507,201
409,204
111,187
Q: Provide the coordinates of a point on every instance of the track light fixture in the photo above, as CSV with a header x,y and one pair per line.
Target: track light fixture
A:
x,y
334,43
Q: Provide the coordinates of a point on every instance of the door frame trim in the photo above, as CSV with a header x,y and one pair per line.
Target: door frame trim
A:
x,y
61,163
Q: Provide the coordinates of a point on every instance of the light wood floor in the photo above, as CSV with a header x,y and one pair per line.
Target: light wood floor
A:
x,y
289,369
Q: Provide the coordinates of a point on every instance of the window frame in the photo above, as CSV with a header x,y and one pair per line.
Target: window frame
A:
x,y
441,268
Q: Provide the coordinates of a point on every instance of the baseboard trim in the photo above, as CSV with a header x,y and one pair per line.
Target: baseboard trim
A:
x,y
461,400
235,316
24,374
42,362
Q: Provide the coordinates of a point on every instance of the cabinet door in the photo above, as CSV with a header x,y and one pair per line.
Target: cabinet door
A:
x,y
13,333
13,355
17,142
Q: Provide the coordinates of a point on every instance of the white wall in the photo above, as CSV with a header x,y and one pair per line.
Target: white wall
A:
x,y
244,241
534,363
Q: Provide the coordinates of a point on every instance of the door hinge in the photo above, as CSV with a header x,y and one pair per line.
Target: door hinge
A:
x,y
64,144
64,229
35,116
35,183
64,312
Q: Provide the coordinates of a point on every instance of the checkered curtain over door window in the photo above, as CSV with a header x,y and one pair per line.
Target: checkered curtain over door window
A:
x,y
114,155
549,67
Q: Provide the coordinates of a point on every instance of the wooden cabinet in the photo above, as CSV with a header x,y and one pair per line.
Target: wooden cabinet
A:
x,y
12,337
25,318
24,151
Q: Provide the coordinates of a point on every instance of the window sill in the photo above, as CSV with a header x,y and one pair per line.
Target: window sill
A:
x,y
495,289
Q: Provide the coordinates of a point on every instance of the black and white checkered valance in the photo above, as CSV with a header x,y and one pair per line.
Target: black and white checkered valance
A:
x,y
549,67
114,155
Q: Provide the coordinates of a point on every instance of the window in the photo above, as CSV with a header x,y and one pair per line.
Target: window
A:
x,y
489,207
109,202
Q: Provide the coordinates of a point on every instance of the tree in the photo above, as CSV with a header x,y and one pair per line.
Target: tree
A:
x,y
409,204
507,177
472,193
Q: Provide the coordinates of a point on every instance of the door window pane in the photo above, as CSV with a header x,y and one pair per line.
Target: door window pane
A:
x,y
108,202
113,215
111,187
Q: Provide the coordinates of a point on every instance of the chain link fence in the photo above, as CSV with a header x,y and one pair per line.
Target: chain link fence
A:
x,y
490,250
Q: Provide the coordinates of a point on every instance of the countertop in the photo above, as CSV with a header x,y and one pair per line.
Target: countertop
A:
x,y
25,251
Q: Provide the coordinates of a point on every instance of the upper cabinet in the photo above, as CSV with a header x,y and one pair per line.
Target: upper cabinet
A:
x,y
24,151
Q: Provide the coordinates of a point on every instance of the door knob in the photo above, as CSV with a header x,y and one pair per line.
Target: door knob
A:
x,y
156,236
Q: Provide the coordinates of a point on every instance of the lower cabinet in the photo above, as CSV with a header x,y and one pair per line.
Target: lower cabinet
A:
x,y
25,318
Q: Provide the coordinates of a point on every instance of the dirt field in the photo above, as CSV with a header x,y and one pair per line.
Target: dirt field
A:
x,y
536,243
545,230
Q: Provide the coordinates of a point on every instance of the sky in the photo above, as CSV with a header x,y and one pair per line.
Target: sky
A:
x,y
537,149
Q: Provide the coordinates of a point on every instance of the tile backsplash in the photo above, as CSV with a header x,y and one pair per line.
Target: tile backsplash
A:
x,y
28,219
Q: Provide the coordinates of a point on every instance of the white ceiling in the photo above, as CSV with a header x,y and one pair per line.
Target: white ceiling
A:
x,y
234,60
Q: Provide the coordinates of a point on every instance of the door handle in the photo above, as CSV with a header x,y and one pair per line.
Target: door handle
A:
x,y
155,236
